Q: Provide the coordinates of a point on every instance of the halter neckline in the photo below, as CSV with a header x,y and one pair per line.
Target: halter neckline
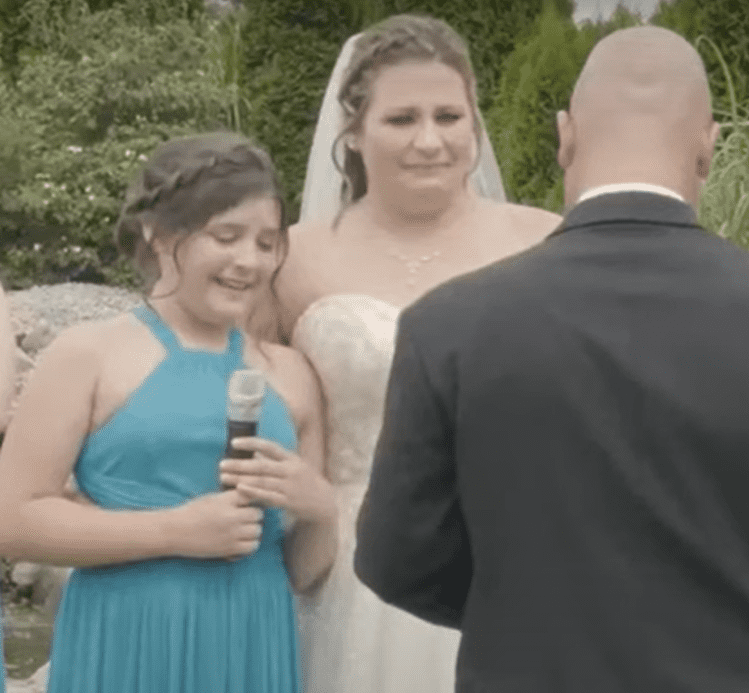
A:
x,y
168,337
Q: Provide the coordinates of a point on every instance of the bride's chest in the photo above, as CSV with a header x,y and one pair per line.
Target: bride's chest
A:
x,y
349,340
397,276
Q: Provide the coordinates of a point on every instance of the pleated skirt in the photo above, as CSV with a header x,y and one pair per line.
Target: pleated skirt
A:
x,y
178,626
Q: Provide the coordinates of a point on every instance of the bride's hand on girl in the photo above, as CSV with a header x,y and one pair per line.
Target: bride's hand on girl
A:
x,y
276,477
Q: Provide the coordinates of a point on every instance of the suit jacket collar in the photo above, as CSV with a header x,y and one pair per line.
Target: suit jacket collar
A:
x,y
627,208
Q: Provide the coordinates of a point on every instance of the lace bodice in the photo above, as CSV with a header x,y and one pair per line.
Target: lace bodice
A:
x,y
349,339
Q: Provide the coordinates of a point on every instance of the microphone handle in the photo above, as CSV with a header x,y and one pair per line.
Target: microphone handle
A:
x,y
239,429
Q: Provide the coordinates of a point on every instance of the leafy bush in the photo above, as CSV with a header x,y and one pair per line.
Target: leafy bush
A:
x,y
87,117
285,69
538,80
30,27
726,23
724,204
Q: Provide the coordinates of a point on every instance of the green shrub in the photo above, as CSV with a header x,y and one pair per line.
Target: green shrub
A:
x,y
31,27
86,118
285,91
538,80
726,23
724,203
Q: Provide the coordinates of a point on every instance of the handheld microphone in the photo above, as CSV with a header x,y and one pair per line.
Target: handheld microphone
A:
x,y
244,402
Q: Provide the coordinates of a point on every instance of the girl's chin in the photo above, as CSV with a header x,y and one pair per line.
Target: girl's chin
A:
x,y
227,310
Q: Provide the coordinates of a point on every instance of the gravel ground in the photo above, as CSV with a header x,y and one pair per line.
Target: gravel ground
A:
x,y
63,305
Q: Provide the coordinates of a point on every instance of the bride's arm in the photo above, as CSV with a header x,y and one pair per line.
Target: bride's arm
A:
x,y
311,546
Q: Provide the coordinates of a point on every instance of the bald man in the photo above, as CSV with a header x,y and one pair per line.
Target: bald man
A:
x,y
563,469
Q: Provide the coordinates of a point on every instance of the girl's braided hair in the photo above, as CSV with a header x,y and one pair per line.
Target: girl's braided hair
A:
x,y
396,40
187,181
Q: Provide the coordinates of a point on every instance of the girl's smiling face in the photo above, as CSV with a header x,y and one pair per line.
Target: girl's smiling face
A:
x,y
219,272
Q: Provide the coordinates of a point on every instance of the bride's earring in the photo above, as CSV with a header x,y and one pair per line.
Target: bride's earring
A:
x,y
476,154
351,143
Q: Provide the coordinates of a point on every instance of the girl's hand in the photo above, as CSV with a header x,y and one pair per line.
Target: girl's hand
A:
x,y
217,525
275,477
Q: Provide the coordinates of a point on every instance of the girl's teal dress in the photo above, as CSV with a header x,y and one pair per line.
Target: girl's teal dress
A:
x,y
177,625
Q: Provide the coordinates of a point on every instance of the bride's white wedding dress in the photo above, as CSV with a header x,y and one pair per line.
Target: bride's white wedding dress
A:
x,y
352,641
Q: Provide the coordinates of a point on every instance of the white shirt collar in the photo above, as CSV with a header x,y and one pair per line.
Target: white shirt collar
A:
x,y
629,187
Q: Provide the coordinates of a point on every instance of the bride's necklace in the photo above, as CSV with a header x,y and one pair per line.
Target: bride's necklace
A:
x,y
413,264
416,262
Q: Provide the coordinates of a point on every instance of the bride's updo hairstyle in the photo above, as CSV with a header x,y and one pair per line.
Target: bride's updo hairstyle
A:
x,y
399,39
187,181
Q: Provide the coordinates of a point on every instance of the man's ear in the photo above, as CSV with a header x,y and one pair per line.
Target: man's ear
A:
x,y
566,131
708,148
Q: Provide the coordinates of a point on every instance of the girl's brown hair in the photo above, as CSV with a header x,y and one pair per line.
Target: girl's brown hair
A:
x,y
187,181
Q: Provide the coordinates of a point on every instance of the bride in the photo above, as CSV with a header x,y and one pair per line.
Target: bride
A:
x,y
399,211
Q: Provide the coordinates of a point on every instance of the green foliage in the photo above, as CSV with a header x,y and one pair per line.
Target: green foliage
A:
x,y
86,118
724,204
685,17
29,27
289,49
537,82
726,23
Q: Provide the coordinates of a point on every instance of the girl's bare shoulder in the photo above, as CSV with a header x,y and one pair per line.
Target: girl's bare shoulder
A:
x,y
98,341
91,337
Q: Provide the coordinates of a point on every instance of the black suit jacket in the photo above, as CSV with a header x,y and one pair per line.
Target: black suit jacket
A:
x,y
563,469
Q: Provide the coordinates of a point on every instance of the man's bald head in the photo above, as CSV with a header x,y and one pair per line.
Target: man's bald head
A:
x,y
642,72
643,96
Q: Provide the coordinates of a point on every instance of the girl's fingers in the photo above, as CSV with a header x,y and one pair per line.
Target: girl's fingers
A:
x,y
266,447
230,480
233,480
261,495
266,483
257,466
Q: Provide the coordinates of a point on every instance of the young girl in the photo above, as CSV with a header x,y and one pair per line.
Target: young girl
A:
x,y
136,408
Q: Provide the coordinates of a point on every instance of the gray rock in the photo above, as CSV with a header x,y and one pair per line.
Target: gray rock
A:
x,y
36,683
64,305
38,338
25,574
24,362
41,312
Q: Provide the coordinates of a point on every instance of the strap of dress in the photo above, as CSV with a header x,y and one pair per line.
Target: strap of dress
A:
x,y
158,327
235,352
